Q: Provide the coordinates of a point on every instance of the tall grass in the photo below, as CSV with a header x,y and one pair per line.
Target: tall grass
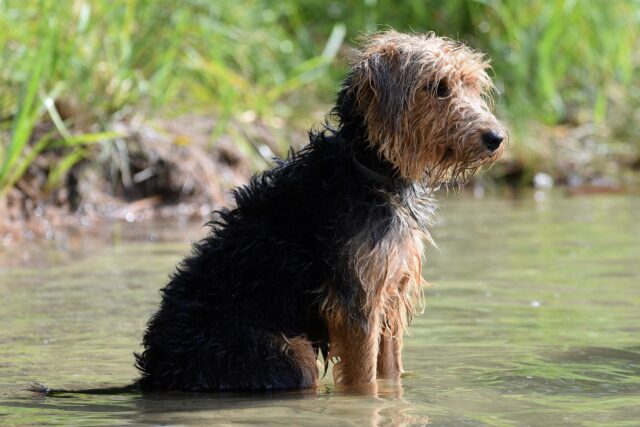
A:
x,y
555,61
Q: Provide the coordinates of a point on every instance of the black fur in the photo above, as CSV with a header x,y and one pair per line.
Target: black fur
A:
x,y
267,264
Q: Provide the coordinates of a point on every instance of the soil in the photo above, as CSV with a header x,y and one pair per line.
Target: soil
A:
x,y
158,170
171,169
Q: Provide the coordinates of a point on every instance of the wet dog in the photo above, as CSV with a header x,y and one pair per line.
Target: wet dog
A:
x,y
322,253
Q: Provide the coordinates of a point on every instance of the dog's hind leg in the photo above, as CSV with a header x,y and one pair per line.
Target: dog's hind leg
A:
x,y
236,357
265,361
304,358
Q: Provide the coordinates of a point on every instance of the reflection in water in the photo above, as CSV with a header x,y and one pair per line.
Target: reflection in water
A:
x,y
294,408
531,319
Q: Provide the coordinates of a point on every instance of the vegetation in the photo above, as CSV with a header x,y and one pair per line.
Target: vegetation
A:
x,y
82,66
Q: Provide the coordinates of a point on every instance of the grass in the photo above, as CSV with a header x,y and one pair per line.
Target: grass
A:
x,y
82,66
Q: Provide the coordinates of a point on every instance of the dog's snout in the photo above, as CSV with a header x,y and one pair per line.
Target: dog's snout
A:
x,y
492,139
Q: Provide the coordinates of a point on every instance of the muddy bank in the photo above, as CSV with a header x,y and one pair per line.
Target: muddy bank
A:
x,y
158,169
163,169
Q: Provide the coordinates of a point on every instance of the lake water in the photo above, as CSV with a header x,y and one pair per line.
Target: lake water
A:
x,y
532,318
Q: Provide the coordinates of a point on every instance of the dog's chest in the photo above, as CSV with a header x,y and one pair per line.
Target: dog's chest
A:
x,y
389,267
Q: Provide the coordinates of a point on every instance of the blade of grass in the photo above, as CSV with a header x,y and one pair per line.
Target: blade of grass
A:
x,y
61,168
25,120
23,164
311,69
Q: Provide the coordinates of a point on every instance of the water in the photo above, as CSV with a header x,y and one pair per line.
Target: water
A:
x,y
533,318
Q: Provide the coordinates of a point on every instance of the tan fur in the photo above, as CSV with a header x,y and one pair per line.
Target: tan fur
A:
x,y
355,352
431,139
390,273
300,349
390,354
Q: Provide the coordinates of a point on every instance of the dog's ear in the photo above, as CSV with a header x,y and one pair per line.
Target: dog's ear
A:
x,y
390,91
384,89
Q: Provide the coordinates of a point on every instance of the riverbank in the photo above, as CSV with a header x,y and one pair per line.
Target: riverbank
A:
x,y
156,169
170,168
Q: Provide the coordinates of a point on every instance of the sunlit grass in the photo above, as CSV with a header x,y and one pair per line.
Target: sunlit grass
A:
x,y
555,61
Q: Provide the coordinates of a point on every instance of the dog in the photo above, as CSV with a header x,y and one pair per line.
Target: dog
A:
x,y
322,254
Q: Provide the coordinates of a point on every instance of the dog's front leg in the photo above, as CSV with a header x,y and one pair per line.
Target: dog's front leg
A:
x,y
356,349
390,354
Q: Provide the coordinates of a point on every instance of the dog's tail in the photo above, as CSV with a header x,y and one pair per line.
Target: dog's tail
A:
x,y
46,391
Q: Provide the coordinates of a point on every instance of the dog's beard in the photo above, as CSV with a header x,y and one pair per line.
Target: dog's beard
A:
x,y
451,170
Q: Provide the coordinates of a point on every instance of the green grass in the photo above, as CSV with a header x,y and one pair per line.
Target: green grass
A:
x,y
555,61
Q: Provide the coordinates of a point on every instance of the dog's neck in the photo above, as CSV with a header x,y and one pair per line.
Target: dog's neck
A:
x,y
415,200
353,132
368,162
378,171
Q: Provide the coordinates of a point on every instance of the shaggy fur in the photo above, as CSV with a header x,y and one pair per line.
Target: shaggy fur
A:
x,y
322,253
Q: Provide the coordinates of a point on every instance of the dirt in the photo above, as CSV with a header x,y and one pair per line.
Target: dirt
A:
x,y
158,169
162,169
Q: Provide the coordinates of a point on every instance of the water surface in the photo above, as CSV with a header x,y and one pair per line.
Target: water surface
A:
x,y
532,318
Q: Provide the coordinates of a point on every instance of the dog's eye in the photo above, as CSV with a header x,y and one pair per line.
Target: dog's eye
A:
x,y
442,89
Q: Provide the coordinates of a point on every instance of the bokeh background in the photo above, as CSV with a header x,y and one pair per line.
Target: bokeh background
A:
x,y
132,108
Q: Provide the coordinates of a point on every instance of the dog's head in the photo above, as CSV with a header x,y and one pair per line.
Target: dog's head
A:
x,y
426,102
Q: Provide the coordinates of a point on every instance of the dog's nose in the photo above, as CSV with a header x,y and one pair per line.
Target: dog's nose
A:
x,y
492,139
